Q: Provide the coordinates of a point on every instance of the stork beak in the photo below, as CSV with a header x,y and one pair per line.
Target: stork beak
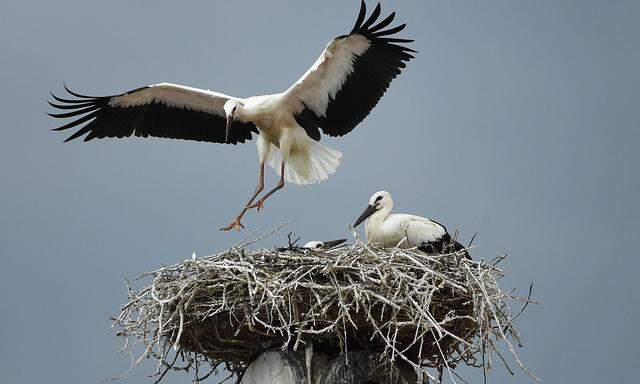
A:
x,y
332,243
229,124
370,210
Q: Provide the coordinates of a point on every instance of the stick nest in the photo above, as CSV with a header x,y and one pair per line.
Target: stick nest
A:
x,y
224,310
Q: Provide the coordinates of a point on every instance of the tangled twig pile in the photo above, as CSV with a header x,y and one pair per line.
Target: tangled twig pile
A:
x,y
429,311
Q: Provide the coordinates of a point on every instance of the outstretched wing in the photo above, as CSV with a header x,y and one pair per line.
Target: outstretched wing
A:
x,y
161,110
349,77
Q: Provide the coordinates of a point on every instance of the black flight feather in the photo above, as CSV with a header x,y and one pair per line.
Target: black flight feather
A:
x,y
154,119
363,88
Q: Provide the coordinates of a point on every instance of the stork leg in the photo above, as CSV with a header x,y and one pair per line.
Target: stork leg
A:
x,y
260,203
236,224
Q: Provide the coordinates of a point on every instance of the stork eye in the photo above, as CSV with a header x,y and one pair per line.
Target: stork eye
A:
x,y
378,198
234,110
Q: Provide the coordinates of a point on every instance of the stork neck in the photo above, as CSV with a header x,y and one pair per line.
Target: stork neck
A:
x,y
377,218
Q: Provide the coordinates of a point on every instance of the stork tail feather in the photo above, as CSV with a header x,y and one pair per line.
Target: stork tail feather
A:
x,y
322,162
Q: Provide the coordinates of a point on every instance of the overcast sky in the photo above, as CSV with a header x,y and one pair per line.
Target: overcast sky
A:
x,y
518,120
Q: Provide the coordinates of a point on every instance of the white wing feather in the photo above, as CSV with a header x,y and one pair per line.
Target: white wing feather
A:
x,y
327,75
174,95
422,230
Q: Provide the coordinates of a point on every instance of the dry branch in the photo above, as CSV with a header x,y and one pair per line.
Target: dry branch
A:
x,y
224,310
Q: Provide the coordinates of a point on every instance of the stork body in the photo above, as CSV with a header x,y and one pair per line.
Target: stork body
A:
x,y
404,230
282,140
334,95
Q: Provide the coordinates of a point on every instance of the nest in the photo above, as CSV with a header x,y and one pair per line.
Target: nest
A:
x,y
223,310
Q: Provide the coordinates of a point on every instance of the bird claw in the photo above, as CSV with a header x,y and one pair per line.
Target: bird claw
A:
x,y
259,205
235,224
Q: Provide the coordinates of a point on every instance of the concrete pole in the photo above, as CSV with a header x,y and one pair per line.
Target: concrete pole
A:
x,y
357,367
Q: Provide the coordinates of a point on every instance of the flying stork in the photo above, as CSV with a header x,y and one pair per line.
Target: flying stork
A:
x,y
334,95
403,230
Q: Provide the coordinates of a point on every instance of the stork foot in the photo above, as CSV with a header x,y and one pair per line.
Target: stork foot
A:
x,y
235,224
258,204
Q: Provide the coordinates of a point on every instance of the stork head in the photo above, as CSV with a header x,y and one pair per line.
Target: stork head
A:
x,y
379,203
231,108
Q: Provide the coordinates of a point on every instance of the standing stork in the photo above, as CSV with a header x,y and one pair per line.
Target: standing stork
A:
x,y
334,95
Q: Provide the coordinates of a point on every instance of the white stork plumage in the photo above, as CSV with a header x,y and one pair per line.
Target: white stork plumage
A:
x,y
334,95
404,230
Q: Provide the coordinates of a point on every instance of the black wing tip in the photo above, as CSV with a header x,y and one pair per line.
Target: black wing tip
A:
x,y
360,19
375,32
76,111
82,109
76,94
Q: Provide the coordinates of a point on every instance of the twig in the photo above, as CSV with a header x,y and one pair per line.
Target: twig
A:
x,y
229,307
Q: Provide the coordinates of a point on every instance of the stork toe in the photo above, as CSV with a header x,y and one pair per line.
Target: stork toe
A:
x,y
235,224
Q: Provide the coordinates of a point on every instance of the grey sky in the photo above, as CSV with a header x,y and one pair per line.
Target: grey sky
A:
x,y
518,120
